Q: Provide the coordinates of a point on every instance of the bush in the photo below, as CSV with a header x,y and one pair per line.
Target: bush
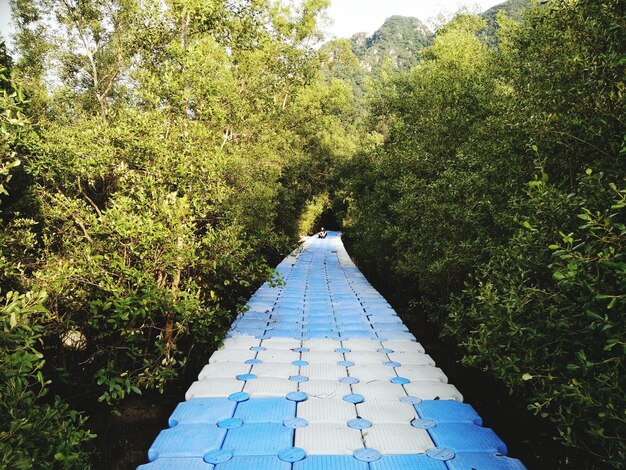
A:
x,y
35,431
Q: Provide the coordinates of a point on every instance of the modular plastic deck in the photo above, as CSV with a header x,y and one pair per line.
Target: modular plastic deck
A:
x,y
321,374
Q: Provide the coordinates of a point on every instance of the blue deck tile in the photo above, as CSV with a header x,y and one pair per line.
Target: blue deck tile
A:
x,y
202,410
177,464
322,334
448,411
407,462
467,437
254,463
187,440
258,439
330,462
266,410
471,461
321,326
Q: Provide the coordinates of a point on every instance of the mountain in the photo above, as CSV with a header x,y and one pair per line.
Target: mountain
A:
x,y
398,39
512,8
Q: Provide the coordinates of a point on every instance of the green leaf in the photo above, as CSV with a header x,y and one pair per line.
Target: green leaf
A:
x,y
527,376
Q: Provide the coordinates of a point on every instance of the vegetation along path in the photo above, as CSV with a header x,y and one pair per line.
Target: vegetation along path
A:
x,y
321,373
159,157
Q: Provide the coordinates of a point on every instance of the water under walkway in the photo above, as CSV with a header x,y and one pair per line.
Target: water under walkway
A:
x,y
321,374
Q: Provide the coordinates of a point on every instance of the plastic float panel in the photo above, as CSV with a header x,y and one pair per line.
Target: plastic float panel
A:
x,y
321,410
433,390
266,410
202,410
321,374
240,342
281,343
480,460
269,387
422,373
328,356
448,411
409,462
278,355
324,371
275,369
397,439
187,440
327,462
254,463
367,357
177,464
231,355
373,372
467,437
411,358
258,439
328,439
361,345
207,388
386,411
379,390
225,369
327,389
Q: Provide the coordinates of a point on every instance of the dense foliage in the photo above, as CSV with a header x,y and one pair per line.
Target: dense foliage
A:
x,y
165,172
158,157
497,202
34,428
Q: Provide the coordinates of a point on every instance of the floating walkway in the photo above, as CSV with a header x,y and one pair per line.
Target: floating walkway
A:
x,y
321,374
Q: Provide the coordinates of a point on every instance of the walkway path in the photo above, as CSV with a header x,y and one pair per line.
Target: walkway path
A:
x,y
321,374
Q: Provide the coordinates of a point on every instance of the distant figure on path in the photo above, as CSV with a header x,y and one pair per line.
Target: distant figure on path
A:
x,y
322,233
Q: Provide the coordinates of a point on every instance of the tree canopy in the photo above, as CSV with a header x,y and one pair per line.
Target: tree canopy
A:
x,y
159,157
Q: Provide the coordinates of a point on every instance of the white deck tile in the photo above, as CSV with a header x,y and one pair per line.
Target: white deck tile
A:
x,y
275,369
328,439
412,358
330,357
366,357
321,344
379,390
386,411
362,344
223,369
325,388
397,439
269,387
278,355
240,342
231,355
431,390
281,343
208,388
324,371
372,372
324,410
415,373
402,345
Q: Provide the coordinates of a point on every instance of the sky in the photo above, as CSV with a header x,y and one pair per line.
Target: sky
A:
x,y
355,16
5,15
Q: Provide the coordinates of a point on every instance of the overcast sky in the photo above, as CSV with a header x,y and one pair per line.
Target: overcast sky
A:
x,y
5,15
354,16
